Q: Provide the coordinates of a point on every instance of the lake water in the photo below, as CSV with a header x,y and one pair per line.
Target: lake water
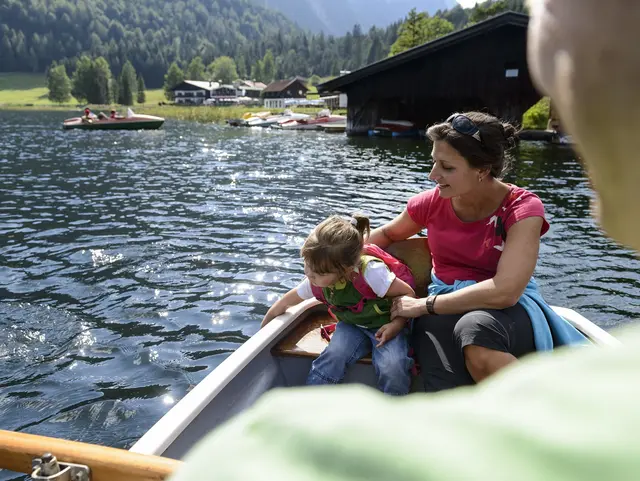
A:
x,y
133,263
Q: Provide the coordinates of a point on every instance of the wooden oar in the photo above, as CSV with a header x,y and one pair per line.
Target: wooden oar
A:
x,y
17,450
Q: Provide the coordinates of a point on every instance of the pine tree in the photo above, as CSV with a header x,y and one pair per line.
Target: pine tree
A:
x,y
100,93
142,96
127,85
268,67
58,84
256,71
241,64
411,32
375,51
82,79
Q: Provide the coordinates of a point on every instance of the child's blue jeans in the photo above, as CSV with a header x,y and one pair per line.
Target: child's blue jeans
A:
x,y
350,343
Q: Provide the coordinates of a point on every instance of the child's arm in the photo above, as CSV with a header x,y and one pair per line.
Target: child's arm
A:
x,y
387,332
291,298
400,288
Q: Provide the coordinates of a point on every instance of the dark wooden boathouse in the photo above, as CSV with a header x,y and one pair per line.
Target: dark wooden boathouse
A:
x,y
481,67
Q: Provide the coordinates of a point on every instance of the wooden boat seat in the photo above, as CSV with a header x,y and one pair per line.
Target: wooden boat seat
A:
x,y
305,339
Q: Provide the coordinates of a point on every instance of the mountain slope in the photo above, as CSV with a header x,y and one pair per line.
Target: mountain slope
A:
x,y
337,17
150,33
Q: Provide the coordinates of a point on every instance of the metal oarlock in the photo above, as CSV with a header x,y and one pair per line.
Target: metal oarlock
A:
x,y
47,468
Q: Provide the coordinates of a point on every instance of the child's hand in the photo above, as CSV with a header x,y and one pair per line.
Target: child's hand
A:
x,y
390,330
266,320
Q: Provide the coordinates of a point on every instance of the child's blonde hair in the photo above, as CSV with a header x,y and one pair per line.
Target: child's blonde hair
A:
x,y
335,245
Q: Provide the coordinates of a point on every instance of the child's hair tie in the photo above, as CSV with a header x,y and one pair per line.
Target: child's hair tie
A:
x,y
354,222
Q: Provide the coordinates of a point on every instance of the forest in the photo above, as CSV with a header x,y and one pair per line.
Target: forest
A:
x,y
153,34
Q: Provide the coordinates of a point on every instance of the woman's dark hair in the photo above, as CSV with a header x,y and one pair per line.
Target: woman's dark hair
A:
x,y
492,152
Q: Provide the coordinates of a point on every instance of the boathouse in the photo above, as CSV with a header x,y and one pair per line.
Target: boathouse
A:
x,y
481,67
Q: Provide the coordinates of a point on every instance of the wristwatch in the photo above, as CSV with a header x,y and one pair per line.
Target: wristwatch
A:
x,y
430,302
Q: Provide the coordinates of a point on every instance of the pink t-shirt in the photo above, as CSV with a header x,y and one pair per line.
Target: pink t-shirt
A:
x,y
470,250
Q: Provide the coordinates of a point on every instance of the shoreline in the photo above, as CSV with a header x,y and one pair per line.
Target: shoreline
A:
x,y
204,114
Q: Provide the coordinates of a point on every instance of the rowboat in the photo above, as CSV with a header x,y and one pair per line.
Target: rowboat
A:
x,y
286,116
280,355
277,356
134,122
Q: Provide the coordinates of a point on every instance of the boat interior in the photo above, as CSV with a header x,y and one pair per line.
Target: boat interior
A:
x,y
280,356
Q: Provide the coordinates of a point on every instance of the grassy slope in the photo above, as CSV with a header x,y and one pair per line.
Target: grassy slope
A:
x,y
30,89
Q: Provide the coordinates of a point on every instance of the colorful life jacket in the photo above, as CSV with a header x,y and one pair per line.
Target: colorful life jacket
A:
x,y
355,302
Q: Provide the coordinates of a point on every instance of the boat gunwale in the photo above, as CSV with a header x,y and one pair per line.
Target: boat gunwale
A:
x,y
164,432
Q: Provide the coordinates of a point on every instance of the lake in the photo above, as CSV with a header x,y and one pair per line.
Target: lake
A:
x,y
133,263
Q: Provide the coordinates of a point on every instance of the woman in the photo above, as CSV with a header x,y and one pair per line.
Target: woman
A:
x,y
484,237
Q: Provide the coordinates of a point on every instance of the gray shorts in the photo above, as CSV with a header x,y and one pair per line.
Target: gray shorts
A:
x,y
438,342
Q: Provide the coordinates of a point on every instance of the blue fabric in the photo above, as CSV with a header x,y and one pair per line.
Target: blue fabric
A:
x,y
546,323
350,343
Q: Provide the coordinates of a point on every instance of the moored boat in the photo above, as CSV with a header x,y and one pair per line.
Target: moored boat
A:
x,y
285,116
323,117
334,128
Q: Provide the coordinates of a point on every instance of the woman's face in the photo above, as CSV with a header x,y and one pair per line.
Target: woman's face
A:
x,y
452,172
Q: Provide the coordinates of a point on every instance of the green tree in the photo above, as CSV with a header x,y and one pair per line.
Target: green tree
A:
x,y
100,93
417,29
195,70
268,67
256,71
437,27
142,96
127,85
375,51
411,32
488,10
173,77
537,116
58,84
241,64
314,80
81,82
223,69
114,88
358,47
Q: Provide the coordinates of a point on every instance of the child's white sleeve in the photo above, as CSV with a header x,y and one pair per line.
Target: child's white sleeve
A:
x,y
304,289
379,277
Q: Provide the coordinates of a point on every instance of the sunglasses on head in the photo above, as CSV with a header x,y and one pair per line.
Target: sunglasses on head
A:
x,y
463,124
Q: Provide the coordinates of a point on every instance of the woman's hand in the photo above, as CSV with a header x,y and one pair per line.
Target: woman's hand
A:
x,y
408,307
